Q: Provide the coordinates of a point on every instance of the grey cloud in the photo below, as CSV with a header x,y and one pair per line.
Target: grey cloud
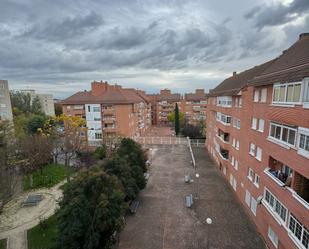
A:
x,y
68,28
277,14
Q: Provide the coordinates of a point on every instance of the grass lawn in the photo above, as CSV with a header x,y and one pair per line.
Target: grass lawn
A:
x,y
43,238
49,176
3,244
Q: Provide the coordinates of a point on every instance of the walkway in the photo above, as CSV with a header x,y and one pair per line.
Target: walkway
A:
x,y
16,220
162,220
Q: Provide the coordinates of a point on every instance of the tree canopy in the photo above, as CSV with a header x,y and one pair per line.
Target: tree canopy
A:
x,y
91,211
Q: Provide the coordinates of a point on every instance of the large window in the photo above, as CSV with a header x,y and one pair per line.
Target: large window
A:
x,y
300,232
283,133
224,101
275,205
225,119
287,93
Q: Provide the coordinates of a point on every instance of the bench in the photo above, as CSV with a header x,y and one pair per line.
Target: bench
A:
x,y
133,206
32,200
189,201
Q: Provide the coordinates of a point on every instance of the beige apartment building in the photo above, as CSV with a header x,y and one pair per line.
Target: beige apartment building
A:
x,y
46,101
5,101
110,110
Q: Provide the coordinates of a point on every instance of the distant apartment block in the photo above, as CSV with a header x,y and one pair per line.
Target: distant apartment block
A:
x,y
258,133
5,101
46,101
193,105
110,110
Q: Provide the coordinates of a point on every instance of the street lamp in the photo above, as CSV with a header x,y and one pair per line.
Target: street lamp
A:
x,y
197,175
209,222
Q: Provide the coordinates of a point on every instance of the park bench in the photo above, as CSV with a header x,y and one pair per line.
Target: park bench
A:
x,y
133,206
32,200
189,201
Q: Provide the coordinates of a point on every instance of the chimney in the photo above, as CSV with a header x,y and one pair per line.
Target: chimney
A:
x,y
200,92
165,92
98,88
303,36
234,73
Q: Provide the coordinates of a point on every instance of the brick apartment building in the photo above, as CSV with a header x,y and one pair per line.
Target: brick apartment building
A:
x,y
258,133
193,105
110,110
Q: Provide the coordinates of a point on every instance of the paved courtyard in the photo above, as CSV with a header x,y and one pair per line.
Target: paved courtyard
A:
x,y
162,220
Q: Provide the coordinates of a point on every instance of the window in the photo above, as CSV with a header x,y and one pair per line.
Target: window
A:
x,y
283,133
238,102
89,108
237,145
261,125
273,237
300,232
256,95
248,198
98,135
250,174
263,95
252,149
258,154
96,109
275,205
223,118
225,101
236,123
234,142
236,164
224,170
254,123
257,180
303,141
233,161
306,92
287,93
97,119
253,206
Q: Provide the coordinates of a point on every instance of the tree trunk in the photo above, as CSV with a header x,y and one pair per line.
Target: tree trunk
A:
x,y
67,167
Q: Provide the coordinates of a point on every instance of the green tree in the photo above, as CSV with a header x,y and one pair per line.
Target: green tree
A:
x,y
171,118
177,122
23,104
35,123
120,167
133,153
100,152
91,211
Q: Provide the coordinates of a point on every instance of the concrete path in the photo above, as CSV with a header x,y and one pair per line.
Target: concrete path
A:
x,y
16,220
164,222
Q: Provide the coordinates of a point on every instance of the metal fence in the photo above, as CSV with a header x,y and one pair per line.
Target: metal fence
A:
x,y
197,142
161,140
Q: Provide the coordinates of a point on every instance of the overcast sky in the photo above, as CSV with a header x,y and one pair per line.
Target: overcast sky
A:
x,y
60,46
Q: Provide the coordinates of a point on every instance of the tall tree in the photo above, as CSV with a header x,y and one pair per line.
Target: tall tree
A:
x,y
70,138
177,126
23,104
91,211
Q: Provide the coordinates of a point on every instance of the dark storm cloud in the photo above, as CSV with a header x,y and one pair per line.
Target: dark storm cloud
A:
x,y
277,14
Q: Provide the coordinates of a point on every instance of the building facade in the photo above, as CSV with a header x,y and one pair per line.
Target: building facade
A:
x,y
5,101
194,106
258,134
110,110
46,101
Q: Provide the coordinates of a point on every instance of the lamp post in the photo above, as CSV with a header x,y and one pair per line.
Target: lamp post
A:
x,y
197,175
208,222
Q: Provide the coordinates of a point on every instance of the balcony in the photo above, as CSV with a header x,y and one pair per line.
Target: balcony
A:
x,y
224,154
108,112
295,183
224,136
